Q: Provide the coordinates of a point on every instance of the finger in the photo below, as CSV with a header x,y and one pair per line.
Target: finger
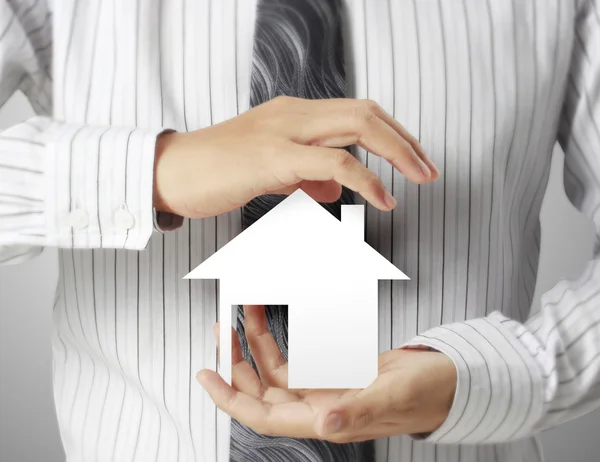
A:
x,y
324,164
232,401
293,419
347,104
403,132
341,122
321,191
415,144
265,351
363,127
355,414
243,376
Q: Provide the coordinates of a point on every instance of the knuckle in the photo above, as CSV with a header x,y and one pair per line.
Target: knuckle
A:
x,y
343,159
277,365
371,105
364,418
231,400
412,140
262,392
283,101
363,117
371,180
280,100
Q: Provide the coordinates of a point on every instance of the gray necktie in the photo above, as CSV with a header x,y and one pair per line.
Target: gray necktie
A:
x,y
298,51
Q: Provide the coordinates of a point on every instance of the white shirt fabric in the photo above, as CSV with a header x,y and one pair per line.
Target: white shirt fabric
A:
x,y
487,86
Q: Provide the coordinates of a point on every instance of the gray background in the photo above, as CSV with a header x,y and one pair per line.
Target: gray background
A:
x,y
28,430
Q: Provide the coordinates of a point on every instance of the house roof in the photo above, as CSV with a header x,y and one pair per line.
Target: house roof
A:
x,y
296,237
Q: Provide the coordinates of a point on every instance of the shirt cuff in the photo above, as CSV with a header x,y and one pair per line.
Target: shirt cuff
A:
x,y
99,186
77,186
499,392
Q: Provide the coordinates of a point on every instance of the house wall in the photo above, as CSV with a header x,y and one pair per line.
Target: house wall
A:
x,y
332,326
333,340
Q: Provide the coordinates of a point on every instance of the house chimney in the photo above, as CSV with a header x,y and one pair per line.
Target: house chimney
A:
x,y
353,220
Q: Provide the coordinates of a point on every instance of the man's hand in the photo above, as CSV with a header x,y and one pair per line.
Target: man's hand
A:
x,y
278,147
413,393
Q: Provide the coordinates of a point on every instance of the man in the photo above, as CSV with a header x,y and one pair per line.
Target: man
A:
x,y
486,87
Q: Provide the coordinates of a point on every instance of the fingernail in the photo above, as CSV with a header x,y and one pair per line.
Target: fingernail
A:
x,y
333,424
424,169
389,200
432,167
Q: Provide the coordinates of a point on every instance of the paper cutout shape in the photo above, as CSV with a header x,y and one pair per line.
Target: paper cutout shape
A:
x,y
301,256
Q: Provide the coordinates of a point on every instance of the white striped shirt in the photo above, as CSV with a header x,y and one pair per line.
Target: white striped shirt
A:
x,y
487,86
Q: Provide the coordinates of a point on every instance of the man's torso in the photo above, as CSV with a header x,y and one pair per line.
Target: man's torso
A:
x,y
479,83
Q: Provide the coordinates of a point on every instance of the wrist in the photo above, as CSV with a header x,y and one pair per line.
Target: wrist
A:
x,y
447,390
164,145
436,389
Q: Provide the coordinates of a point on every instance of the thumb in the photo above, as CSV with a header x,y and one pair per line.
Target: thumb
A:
x,y
353,414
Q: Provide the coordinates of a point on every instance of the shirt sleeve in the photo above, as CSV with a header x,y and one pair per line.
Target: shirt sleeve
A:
x,y
516,379
61,184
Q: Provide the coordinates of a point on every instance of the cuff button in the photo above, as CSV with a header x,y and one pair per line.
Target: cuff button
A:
x,y
124,219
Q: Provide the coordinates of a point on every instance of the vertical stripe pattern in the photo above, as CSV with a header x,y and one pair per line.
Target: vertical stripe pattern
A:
x,y
487,86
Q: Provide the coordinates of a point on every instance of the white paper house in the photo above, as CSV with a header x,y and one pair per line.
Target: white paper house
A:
x,y
301,256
